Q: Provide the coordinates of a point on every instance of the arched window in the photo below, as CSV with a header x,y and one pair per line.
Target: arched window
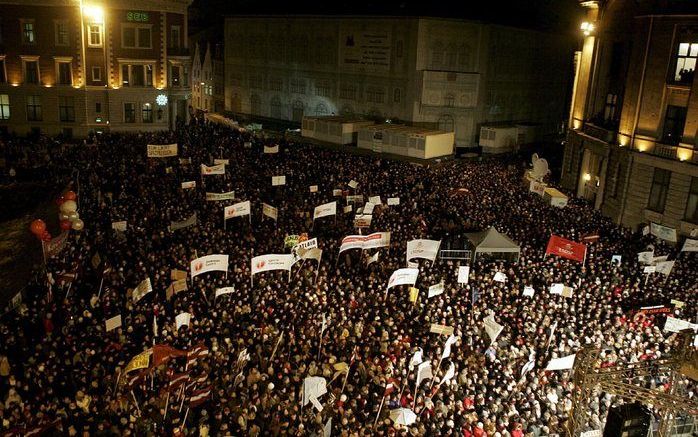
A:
x,y
298,109
446,123
277,109
255,105
321,109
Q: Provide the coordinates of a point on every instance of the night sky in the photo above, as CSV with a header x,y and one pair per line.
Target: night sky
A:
x,y
560,16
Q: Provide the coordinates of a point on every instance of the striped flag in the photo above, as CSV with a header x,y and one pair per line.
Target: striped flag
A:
x,y
196,353
177,380
199,397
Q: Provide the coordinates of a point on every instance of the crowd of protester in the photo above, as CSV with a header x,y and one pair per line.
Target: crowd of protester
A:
x,y
62,373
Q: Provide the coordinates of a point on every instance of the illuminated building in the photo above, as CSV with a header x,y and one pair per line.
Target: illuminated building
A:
x,y
71,66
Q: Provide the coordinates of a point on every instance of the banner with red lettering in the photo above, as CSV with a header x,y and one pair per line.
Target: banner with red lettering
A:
x,y
565,248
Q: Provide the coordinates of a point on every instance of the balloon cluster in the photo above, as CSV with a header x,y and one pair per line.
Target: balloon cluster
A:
x,y
68,216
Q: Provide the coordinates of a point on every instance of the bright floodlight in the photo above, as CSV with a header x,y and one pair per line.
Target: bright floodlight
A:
x,y
94,13
587,28
161,100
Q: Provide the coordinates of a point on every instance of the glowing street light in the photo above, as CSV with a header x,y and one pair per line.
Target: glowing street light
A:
x,y
94,13
587,28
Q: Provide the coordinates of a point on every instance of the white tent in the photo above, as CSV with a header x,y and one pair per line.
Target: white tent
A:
x,y
493,242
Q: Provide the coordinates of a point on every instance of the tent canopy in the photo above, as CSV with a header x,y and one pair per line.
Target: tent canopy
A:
x,y
492,241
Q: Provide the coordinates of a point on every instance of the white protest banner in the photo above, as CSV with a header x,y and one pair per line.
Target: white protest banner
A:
x,y
162,150
417,358
182,319
141,290
403,277
376,200
649,269
463,274
645,257
113,323
447,346
313,188
224,290
355,198
188,185
313,253
528,291
216,169
677,325
678,303
645,231
209,263
440,329
427,249
177,275
270,211
663,232
305,245
393,201
500,277
435,290
221,161
176,287
353,184
119,226
615,259
665,267
592,433
184,161
690,245
659,259
230,195
561,363
313,388
363,242
537,187
237,210
424,372
324,210
557,288
265,263
368,208
362,221
271,149
278,180
567,291
336,193
191,221
492,328
347,209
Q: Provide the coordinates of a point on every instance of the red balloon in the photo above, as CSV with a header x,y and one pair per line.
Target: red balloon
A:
x,y
65,225
60,201
37,227
70,195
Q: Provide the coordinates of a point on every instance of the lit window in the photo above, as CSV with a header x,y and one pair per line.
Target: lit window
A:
x,y
147,113
28,36
686,62
94,33
4,107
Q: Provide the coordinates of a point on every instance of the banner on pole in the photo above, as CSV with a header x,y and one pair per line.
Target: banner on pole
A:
x,y
362,221
441,329
119,226
690,245
176,275
270,211
237,210
426,249
376,200
278,180
191,221
113,323
176,287
393,201
271,149
355,198
221,161
209,263
162,151
435,290
561,363
337,193
182,319
677,325
566,248
214,170
141,290
265,263
230,195
463,274
363,242
325,209
223,291
313,188
188,185
353,184
403,277
492,328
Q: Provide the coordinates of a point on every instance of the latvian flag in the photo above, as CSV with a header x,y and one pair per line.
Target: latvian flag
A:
x,y
177,380
200,381
392,385
196,353
134,379
199,397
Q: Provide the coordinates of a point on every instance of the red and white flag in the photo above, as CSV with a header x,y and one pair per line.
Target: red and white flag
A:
x,y
196,353
177,380
566,248
199,397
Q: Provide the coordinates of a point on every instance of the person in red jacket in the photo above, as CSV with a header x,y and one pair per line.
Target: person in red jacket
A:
x,y
48,325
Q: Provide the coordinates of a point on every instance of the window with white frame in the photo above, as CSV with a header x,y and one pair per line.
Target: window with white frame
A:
x,y
31,71
61,28
96,74
686,62
136,36
94,35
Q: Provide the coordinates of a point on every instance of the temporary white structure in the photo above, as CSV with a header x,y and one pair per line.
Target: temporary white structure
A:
x,y
406,140
336,130
493,242
555,197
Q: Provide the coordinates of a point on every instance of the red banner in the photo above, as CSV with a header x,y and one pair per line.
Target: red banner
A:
x,y
566,248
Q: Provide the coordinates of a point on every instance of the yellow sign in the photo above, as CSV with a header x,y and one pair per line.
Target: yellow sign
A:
x,y
140,361
414,294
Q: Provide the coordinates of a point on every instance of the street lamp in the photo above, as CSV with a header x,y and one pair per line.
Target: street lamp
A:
x,y
587,28
94,13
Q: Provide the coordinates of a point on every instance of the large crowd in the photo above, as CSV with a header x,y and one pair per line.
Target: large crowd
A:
x,y
63,373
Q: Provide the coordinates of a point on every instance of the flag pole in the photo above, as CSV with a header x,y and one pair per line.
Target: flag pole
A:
x,y
379,411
